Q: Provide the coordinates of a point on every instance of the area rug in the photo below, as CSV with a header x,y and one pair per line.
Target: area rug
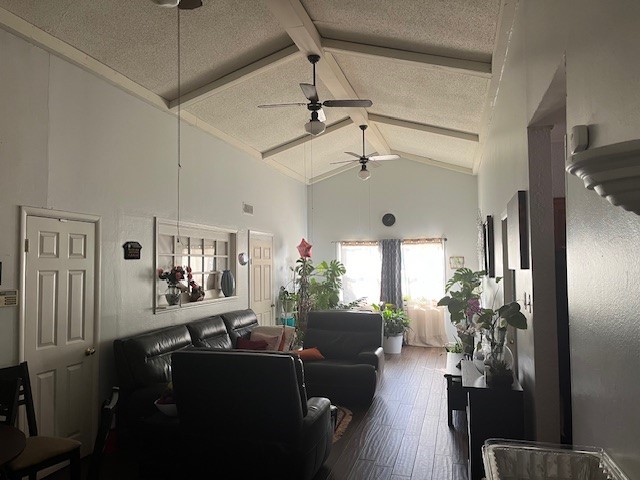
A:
x,y
343,419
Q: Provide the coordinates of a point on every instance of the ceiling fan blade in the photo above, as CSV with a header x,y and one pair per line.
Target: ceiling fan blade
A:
x,y
275,105
353,154
344,161
321,116
382,158
347,103
189,4
310,92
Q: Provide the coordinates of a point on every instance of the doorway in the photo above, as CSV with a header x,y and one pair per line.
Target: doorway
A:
x,y
261,277
59,320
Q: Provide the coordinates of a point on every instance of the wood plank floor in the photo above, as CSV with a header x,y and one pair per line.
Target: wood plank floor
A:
x,y
404,434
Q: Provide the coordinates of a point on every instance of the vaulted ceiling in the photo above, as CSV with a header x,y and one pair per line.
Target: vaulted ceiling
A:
x,y
425,64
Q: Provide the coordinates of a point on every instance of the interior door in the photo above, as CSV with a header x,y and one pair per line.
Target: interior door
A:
x,y
261,278
59,325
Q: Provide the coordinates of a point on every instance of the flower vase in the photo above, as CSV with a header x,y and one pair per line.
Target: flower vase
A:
x,y
228,283
172,294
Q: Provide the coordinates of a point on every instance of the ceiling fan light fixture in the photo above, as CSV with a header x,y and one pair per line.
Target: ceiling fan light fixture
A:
x,y
364,174
314,127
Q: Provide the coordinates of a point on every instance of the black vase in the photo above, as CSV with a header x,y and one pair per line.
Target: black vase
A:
x,y
228,283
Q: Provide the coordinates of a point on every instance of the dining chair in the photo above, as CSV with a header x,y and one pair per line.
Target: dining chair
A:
x,y
106,418
41,451
9,393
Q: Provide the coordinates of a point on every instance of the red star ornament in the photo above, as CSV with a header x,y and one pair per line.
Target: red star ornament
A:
x,y
304,249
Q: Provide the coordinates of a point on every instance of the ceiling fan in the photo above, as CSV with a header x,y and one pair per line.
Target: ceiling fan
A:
x,y
316,125
363,159
181,4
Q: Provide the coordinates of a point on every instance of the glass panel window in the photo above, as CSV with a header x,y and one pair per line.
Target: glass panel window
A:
x,y
363,264
423,271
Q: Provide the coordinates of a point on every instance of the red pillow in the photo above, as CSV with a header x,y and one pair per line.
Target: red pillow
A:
x,y
246,344
310,354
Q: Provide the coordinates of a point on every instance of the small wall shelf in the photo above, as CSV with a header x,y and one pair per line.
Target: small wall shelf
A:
x,y
206,249
613,171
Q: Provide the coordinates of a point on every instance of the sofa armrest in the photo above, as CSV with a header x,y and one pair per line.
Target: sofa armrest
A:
x,y
373,357
316,425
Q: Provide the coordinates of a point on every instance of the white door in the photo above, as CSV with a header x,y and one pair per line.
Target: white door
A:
x,y
59,325
260,278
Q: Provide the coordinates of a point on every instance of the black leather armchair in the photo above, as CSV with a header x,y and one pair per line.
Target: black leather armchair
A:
x,y
351,342
252,405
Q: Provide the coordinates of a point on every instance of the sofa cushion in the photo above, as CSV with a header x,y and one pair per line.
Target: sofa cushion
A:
x,y
210,332
239,324
310,354
144,360
246,344
273,341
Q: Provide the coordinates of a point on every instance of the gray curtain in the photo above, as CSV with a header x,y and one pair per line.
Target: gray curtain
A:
x,y
391,275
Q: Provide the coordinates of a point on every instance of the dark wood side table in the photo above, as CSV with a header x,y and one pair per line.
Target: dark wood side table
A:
x,y
12,443
491,413
456,398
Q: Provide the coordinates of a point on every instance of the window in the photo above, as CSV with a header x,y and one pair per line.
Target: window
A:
x,y
423,270
207,250
363,264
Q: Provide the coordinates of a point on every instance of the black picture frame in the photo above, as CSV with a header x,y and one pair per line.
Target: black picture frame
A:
x,y
489,250
518,232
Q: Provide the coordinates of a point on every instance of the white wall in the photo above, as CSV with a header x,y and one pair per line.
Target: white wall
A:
x,y
70,141
426,201
599,42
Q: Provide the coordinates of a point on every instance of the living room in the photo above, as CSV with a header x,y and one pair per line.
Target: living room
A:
x,y
79,136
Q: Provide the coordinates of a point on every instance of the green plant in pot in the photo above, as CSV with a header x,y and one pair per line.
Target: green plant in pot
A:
x,y
396,322
494,325
463,303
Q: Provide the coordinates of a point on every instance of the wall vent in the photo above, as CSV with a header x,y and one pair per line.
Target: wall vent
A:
x,y
246,208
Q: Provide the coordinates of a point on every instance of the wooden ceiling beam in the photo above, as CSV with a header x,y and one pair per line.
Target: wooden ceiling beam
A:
x,y
423,127
457,65
299,26
433,163
304,139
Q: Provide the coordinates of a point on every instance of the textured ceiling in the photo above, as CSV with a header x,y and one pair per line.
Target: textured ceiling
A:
x,y
140,41
437,147
235,110
411,92
463,29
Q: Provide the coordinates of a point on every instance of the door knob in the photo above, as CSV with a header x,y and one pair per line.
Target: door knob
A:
x,y
89,351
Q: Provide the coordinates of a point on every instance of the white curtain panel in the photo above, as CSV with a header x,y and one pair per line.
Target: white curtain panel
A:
x,y
423,285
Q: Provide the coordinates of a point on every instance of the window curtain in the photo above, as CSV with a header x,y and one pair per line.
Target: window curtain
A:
x,y
391,272
423,277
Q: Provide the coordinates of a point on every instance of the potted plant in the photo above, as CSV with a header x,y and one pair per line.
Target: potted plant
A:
x,y
463,302
396,322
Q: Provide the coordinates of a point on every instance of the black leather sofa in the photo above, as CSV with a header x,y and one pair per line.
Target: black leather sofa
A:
x,y
351,342
253,404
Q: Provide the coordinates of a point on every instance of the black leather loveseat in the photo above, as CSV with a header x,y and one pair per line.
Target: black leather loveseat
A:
x,y
351,343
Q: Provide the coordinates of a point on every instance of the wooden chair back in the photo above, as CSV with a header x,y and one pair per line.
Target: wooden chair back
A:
x,y
9,392
25,397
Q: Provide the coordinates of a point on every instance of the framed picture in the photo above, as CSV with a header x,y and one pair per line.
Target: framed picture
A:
x,y
456,262
518,231
489,250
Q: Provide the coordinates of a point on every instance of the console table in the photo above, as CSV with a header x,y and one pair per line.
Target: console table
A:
x,y
456,398
491,413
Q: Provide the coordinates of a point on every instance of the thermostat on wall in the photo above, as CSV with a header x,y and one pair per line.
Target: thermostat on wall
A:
x,y
8,298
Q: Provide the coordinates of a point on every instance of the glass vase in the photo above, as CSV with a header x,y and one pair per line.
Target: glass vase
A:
x,y
172,294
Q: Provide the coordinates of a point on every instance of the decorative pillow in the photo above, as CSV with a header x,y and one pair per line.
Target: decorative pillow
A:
x,y
268,331
273,341
310,354
288,335
244,344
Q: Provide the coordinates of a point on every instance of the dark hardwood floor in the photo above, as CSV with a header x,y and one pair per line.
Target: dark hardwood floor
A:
x,y
403,435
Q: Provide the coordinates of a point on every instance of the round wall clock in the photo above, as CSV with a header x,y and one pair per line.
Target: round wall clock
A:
x,y
388,219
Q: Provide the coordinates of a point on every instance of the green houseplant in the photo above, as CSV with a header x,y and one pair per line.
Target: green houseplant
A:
x,y
396,322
